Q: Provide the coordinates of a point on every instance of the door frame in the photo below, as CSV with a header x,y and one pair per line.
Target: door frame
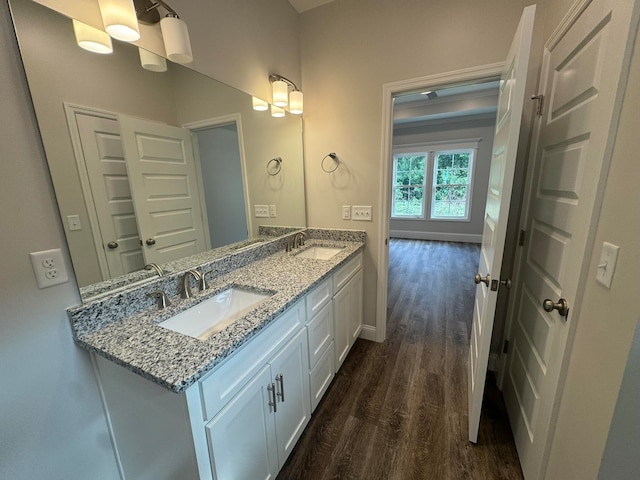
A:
x,y
71,110
472,74
235,118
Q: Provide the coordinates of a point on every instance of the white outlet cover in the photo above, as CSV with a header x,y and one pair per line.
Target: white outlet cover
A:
x,y
261,211
49,267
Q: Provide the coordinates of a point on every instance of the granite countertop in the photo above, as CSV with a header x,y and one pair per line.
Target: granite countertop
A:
x,y
176,361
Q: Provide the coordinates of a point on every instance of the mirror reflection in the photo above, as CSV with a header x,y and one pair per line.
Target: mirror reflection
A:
x,y
148,167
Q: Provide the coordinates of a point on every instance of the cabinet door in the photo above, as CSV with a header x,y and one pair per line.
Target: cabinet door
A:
x,y
291,376
341,335
355,321
242,437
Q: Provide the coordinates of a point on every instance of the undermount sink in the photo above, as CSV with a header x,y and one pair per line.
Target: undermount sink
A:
x,y
319,252
214,314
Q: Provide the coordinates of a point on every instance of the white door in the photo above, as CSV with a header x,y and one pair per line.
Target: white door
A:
x,y
242,437
582,68
162,173
503,159
107,172
291,376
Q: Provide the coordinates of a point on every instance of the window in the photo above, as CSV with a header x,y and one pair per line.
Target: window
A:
x,y
409,176
434,179
450,195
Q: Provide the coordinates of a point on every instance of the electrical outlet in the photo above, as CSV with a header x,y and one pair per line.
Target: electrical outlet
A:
x,y
272,211
49,268
346,212
262,211
362,213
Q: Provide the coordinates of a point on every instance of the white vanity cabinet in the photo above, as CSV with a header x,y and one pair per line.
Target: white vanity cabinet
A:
x,y
347,307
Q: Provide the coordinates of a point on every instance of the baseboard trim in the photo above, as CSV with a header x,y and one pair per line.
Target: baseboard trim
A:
x,y
441,237
368,333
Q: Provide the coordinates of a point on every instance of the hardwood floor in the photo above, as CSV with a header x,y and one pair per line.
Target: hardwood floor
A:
x,y
398,409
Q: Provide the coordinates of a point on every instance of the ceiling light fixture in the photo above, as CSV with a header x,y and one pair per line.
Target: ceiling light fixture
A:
x,y
281,98
92,39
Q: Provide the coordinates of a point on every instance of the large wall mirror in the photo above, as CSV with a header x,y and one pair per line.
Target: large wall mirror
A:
x,y
152,167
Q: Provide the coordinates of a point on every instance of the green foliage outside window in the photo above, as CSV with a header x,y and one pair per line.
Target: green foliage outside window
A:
x,y
408,188
451,184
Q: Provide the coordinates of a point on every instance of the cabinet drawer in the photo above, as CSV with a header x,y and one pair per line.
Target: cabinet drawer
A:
x,y
320,334
345,272
321,376
219,387
319,297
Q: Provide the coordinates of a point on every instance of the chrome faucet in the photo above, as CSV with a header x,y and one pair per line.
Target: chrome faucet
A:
x,y
298,240
154,266
186,286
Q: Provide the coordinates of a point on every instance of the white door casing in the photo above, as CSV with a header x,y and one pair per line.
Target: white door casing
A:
x,y
503,160
107,173
162,173
584,69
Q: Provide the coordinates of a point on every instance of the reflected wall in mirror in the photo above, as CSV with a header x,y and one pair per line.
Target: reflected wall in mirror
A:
x,y
151,167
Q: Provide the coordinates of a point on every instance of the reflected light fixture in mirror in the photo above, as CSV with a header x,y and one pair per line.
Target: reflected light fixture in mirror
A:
x,y
280,91
277,111
152,62
176,38
92,39
259,104
119,18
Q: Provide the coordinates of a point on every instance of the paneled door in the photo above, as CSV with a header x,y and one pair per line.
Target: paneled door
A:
x,y
116,231
164,186
503,160
583,65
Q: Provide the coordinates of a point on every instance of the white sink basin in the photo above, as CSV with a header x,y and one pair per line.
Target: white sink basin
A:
x,y
214,314
319,252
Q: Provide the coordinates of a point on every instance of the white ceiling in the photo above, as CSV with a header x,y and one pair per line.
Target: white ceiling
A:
x,y
304,5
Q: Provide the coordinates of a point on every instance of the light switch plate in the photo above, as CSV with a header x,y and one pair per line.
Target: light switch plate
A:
x,y
74,222
346,212
362,213
272,211
262,211
607,263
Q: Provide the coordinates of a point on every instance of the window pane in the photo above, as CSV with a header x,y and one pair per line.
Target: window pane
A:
x,y
408,202
450,202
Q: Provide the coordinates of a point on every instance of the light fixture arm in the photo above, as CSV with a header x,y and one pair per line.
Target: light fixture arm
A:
x,y
274,77
147,11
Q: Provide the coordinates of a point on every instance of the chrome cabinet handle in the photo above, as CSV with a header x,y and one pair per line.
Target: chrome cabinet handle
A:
x,y
150,241
280,379
478,278
112,245
562,307
272,393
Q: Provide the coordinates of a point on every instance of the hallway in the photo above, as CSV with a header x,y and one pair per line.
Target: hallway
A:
x,y
397,410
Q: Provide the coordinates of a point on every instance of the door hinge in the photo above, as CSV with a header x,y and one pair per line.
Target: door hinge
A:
x,y
522,238
505,346
540,100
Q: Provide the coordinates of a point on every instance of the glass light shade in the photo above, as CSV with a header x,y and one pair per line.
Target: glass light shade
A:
x,y
280,93
92,39
176,40
296,102
277,111
259,104
119,18
152,62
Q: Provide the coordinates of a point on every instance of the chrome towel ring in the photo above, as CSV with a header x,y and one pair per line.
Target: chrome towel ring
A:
x,y
335,159
274,166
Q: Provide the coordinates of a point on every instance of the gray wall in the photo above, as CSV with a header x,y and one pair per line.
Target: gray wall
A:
x,y
51,423
463,231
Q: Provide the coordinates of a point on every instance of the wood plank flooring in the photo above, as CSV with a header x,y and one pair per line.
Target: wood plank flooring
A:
x,y
398,409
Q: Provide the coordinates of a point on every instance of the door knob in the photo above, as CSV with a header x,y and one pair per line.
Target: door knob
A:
x,y
112,245
150,241
478,278
507,283
562,307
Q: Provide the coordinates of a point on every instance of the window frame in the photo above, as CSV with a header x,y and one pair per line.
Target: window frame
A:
x,y
430,150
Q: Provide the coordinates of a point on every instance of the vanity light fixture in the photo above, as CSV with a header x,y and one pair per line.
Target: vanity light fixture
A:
x,y
174,31
277,111
92,39
152,62
120,20
259,104
281,98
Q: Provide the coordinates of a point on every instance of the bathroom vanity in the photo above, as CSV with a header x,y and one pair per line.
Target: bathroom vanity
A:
x,y
233,405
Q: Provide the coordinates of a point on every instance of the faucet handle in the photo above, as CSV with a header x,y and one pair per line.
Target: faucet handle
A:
x,y
161,297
